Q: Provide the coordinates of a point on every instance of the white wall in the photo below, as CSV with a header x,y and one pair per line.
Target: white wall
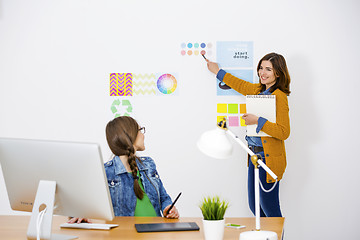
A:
x,y
55,60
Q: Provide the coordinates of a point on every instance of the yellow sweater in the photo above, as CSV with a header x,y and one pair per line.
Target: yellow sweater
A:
x,y
274,147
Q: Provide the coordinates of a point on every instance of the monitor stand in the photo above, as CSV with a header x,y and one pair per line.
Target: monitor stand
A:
x,y
45,198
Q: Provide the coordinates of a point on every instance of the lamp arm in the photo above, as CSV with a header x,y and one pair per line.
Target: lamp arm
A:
x,y
251,153
267,169
236,138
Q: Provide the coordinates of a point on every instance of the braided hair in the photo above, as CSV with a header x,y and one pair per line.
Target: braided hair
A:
x,y
121,133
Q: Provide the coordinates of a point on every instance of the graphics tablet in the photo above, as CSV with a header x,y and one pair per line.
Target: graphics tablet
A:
x,y
166,227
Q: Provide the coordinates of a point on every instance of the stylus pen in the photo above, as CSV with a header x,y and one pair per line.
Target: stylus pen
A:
x,y
172,205
203,56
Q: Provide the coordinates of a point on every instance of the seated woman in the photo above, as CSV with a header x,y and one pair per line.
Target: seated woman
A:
x,y
134,183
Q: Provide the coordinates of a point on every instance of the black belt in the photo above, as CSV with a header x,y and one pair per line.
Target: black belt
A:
x,y
256,149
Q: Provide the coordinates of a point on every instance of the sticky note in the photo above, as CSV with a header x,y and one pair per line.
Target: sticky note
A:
x,y
242,108
233,121
222,108
233,108
242,122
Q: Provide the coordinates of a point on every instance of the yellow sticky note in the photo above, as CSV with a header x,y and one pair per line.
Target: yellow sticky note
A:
x,y
242,122
222,108
242,108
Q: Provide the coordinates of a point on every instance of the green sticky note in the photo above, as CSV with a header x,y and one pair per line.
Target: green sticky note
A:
x,y
233,108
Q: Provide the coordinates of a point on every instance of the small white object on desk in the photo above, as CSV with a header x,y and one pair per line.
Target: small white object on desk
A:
x,y
232,225
99,226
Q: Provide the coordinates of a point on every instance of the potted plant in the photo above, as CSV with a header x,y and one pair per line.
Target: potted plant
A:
x,y
213,210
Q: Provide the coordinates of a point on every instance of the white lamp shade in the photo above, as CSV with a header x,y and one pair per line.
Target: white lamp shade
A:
x,y
215,143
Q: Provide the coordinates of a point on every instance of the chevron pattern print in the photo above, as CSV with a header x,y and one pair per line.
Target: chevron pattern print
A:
x,y
144,84
124,85
144,76
113,84
121,84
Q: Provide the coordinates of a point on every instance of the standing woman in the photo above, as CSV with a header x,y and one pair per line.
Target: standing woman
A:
x,y
134,183
274,79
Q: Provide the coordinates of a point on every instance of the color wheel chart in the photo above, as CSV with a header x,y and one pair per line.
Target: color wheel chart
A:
x,y
166,83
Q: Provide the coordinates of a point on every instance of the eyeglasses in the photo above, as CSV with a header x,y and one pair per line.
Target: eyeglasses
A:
x,y
142,130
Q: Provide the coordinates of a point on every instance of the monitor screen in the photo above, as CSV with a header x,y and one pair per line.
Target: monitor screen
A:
x,y
77,168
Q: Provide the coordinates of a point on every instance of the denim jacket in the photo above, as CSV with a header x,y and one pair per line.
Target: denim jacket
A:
x,y
121,186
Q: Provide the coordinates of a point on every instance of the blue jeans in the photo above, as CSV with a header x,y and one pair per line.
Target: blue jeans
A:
x,y
269,202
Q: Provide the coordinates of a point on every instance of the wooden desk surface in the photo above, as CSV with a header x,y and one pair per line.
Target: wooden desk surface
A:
x,y
15,227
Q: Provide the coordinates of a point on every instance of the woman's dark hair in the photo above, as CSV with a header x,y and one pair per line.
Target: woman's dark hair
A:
x,y
280,70
121,133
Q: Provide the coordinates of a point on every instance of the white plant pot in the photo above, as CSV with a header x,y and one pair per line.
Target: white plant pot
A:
x,y
214,229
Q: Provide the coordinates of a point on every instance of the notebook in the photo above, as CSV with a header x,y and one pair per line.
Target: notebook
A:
x,y
261,106
166,227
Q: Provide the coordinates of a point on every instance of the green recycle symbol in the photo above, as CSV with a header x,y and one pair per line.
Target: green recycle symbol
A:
x,y
115,107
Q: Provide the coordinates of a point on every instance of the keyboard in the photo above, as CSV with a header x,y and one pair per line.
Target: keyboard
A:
x,y
99,226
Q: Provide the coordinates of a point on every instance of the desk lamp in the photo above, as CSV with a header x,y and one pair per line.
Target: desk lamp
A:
x,y
215,143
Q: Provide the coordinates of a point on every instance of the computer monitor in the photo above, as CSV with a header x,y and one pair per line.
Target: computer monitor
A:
x,y
77,169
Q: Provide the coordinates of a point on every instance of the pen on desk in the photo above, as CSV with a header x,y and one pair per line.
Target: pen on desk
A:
x,y
172,205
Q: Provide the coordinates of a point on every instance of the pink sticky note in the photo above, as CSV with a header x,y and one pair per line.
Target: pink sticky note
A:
x,y
233,121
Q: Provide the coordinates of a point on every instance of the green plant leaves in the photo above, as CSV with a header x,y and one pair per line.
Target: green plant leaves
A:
x,y
213,208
